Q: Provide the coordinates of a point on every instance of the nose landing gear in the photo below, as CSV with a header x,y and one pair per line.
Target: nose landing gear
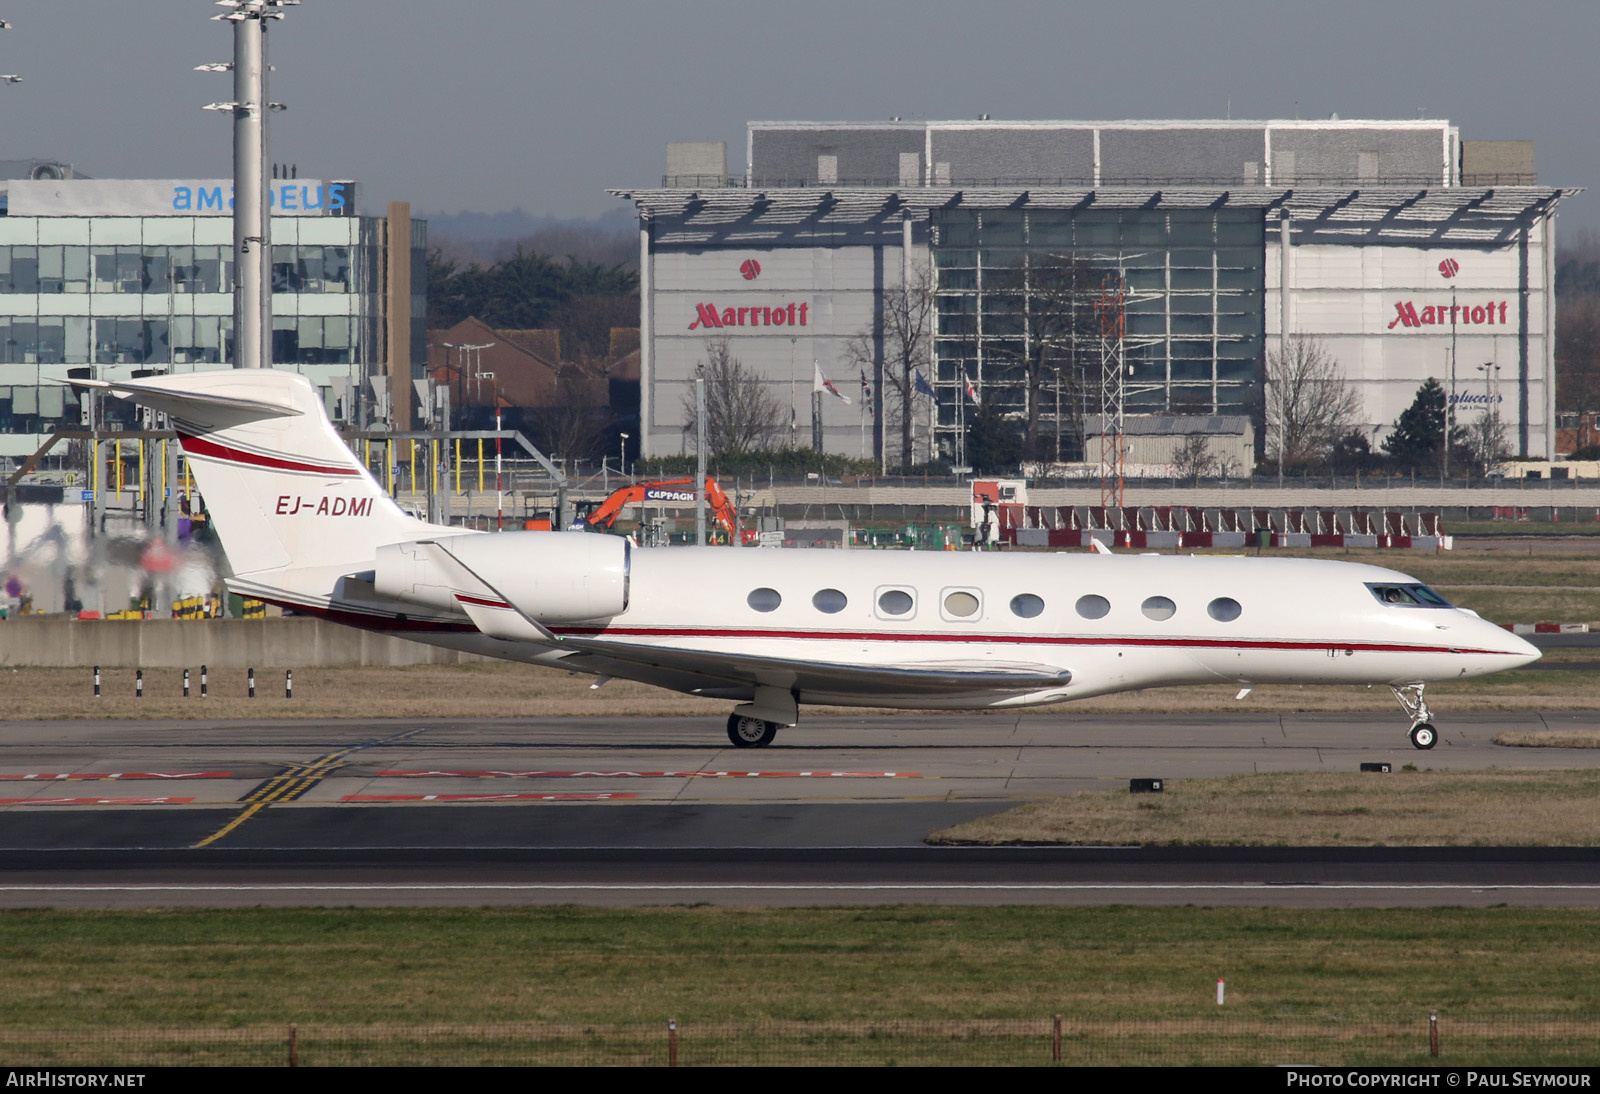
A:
x,y
1423,735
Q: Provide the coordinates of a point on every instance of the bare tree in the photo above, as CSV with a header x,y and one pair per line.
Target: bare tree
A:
x,y
573,426
1486,441
1578,360
1310,406
1043,310
1192,458
906,321
742,415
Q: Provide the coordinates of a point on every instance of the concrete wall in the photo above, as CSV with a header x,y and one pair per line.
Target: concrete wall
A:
x,y
216,643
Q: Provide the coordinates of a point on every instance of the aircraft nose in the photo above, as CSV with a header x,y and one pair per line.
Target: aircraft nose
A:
x,y
1513,646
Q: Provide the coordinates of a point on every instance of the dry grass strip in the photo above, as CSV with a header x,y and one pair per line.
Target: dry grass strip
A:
x,y
1404,808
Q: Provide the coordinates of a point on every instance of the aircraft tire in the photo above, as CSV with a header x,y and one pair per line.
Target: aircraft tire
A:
x,y
750,732
1424,736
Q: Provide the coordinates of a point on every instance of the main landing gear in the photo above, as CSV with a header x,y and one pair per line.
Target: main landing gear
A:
x,y
754,724
746,732
1423,735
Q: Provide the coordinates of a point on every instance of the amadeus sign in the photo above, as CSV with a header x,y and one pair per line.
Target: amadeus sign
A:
x,y
170,197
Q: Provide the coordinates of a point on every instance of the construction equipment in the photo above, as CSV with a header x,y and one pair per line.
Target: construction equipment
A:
x,y
670,493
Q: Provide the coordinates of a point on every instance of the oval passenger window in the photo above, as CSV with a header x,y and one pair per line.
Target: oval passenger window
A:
x,y
961,604
1158,607
1093,606
764,600
1027,605
893,602
1224,609
829,600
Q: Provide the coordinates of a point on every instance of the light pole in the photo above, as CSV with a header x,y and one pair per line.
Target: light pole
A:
x,y
622,455
1450,401
8,78
447,347
477,367
499,489
252,224
1491,410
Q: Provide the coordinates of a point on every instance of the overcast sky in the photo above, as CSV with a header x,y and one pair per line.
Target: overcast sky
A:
x,y
488,105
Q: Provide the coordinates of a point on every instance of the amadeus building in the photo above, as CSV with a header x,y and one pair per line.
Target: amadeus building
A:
x,y
1406,251
116,278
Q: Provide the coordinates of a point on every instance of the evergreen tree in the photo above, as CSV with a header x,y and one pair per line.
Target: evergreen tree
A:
x,y
1418,434
994,441
522,290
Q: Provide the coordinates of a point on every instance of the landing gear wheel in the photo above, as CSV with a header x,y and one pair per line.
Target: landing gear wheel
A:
x,y
750,732
1423,735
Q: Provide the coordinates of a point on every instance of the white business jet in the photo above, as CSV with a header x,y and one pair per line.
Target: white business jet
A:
x,y
305,526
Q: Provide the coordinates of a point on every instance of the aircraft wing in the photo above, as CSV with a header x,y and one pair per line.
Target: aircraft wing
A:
x,y
832,678
497,616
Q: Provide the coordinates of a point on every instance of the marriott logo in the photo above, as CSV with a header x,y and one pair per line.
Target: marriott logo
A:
x,y
781,315
1446,315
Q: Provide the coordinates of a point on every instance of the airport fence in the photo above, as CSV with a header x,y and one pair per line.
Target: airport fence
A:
x,y
1211,1040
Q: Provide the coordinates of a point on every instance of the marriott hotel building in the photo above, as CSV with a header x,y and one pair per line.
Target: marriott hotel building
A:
x,y
1408,252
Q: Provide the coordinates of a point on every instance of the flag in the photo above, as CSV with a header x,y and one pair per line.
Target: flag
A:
x,y
923,387
972,392
866,388
822,383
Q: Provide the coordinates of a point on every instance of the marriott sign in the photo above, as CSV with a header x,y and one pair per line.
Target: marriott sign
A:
x,y
780,315
1407,314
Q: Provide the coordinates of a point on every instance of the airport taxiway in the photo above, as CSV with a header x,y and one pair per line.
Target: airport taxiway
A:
x,y
663,810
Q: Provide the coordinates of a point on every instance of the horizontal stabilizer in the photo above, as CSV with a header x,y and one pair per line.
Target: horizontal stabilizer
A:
x,y
157,393
283,490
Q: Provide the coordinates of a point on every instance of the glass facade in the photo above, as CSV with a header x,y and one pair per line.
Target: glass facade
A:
x,y
121,294
1022,296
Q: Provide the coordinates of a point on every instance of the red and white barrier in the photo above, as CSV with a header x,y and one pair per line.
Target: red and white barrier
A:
x,y
1547,628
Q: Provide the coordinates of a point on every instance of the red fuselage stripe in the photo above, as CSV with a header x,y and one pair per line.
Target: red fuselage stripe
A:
x,y
199,446
1004,639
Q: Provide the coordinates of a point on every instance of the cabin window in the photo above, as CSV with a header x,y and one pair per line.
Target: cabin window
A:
x,y
894,602
1158,608
1093,606
1026,605
961,603
829,600
764,600
1224,609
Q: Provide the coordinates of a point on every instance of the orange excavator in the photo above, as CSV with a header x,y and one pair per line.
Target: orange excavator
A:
x,y
671,493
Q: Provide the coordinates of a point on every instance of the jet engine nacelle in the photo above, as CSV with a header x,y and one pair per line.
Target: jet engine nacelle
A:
x,y
552,577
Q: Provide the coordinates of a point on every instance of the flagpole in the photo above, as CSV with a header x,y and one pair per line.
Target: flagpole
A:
x,y
961,419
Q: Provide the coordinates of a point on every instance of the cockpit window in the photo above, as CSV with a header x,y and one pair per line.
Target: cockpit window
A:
x,y
1409,596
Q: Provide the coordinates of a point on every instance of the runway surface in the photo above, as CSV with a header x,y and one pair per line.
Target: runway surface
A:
x,y
652,811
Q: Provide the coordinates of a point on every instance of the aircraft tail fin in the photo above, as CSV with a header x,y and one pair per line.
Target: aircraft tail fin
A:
x,y
282,488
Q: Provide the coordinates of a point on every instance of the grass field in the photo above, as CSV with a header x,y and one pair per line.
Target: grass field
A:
x,y
1407,808
833,985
